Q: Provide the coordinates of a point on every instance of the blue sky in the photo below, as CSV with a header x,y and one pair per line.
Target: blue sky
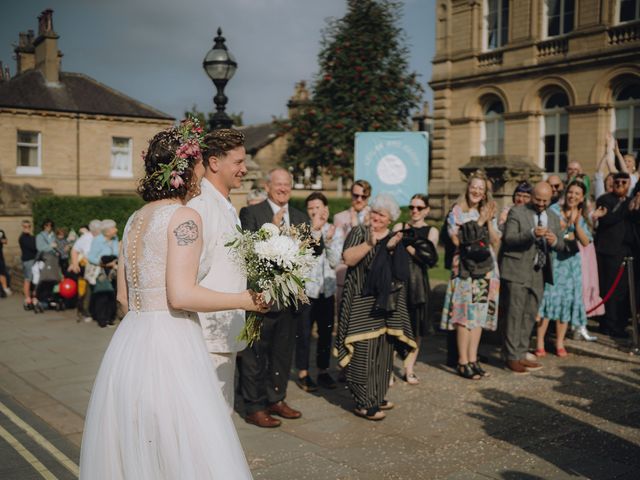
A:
x,y
152,50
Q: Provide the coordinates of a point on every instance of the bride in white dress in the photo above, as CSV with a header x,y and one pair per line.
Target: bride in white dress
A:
x,y
156,411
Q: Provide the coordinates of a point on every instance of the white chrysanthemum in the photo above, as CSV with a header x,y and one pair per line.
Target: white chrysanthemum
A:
x,y
270,229
279,249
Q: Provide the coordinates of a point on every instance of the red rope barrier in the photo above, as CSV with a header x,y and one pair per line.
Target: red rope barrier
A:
x,y
612,289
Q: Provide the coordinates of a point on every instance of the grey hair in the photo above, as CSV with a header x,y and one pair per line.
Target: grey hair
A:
x,y
278,169
386,202
106,224
95,226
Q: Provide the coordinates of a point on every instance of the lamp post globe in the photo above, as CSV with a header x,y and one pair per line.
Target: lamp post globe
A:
x,y
220,66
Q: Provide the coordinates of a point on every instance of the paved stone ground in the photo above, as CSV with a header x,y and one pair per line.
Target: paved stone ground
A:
x,y
577,418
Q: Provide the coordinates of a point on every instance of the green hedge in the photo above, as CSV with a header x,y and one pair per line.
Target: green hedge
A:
x,y
73,212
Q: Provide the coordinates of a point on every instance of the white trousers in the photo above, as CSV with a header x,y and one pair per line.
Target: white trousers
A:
x,y
225,366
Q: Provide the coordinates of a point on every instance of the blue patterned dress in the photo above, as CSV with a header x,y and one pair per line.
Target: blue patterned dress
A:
x,y
563,300
470,302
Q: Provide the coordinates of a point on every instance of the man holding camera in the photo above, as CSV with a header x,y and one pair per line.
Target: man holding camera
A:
x,y
530,233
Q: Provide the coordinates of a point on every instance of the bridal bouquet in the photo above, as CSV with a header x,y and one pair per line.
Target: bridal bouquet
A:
x,y
276,262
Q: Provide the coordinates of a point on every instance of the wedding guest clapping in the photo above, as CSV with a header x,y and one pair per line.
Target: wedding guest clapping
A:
x,y
373,309
471,301
563,300
320,288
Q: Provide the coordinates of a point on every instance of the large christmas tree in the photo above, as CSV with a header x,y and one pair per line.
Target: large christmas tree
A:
x,y
364,85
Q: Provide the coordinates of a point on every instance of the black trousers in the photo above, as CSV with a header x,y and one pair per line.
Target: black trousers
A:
x,y
265,366
320,311
617,309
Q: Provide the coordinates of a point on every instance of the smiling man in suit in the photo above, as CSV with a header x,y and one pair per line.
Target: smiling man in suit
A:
x,y
530,233
265,366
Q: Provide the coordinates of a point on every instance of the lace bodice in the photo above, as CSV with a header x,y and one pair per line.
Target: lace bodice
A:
x,y
145,257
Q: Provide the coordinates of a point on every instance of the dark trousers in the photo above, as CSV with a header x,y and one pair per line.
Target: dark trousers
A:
x,y
617,309
321,312
265,366
521,311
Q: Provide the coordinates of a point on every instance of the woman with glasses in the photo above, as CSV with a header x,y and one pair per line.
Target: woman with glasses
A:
x,y
373,312
420,240
471,301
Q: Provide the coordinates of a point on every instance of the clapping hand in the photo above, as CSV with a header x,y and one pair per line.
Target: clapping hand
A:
x,y
634,204
279,216
487,213
393,242
319,218
599,212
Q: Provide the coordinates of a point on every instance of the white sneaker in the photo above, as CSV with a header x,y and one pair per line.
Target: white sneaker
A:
x,y
583,334
8,292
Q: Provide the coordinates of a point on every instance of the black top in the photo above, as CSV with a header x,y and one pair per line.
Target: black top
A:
x,y
28,247
614,235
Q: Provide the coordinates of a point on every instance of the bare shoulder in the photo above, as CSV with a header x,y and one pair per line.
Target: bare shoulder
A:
x,y
185,226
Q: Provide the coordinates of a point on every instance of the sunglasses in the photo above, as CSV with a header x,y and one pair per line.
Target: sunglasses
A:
x,y
555,186
620,182
355,196
416,207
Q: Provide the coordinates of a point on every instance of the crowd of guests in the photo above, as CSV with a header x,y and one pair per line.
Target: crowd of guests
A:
x,y
53,254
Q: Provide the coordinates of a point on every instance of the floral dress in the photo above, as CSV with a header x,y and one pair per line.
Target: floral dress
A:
x,y
470,302
563,300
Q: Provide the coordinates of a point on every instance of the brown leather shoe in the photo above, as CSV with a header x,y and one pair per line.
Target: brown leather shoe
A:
x,y
284,410
262,419
531,366
516,367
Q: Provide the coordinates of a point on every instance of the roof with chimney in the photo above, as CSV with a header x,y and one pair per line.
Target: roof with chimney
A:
x,y
258,136
40,85
75,92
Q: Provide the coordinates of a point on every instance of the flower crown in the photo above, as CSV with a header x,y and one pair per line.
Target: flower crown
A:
x,y
189,135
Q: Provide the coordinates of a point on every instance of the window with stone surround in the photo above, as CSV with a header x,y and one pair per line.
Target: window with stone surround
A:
x,y
29,153
496,23
559,16
492,128
121,165
555,132
627,118
628,10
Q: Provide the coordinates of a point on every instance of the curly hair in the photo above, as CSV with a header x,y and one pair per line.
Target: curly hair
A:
x,y
221,141
162,149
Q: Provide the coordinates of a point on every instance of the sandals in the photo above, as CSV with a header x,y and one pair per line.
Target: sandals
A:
x,y
540,352
411,379
475,366
386,405
561,352
465,371
374,413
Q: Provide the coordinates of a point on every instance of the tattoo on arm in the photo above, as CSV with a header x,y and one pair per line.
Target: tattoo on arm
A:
x,y
186,233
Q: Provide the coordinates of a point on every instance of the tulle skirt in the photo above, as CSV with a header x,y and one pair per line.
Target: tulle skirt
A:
x,y
156,411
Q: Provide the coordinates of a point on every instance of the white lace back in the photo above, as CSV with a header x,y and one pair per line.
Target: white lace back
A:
x,y
145,257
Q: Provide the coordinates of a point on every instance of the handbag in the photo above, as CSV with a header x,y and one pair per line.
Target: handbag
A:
x,y
103,283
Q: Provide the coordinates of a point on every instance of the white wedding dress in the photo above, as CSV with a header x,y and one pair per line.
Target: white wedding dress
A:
x,y
156,411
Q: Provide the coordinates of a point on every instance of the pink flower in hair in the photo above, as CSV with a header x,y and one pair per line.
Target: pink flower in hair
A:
x,y
176,180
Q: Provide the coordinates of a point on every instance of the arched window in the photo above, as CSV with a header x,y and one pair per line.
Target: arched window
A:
x,y
627,118
629,10
555,132
492,127
496,23
559,15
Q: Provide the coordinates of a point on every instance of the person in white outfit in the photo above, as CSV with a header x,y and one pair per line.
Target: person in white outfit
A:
x,y
225,167
156,409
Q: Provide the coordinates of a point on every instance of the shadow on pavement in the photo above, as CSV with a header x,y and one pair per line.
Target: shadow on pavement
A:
x,y
572,445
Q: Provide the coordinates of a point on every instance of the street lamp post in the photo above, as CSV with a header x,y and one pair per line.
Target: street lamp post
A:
x,y
220,65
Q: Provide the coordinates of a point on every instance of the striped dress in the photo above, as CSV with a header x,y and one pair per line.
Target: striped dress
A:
x,y
366,335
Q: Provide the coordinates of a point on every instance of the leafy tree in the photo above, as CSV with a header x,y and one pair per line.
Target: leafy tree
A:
x,y
364,85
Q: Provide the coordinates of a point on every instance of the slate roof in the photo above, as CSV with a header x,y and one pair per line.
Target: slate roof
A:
x,y
258,136
76,93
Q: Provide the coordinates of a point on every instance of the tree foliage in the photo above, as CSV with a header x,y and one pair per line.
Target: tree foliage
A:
x,y
364,84
205,119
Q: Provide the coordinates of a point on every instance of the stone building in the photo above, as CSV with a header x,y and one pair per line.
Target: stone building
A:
x,y
520,84
65,133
